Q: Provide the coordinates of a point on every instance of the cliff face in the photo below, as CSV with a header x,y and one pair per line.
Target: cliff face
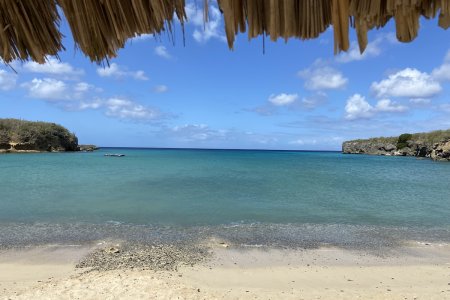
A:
x,y
441,151
375,147
435,145
26,136
386,148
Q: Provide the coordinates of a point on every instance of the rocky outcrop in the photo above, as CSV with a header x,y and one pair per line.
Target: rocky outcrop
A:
x,y
368,147
441,151
388,148
418,145
87,148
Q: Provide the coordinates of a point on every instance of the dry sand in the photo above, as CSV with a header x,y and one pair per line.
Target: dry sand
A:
x,y
417,272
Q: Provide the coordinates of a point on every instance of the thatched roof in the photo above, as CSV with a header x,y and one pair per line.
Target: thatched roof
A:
x,y
30,29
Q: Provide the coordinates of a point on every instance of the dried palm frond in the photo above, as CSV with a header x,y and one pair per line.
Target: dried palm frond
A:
x,y
101,27
306,19
29,29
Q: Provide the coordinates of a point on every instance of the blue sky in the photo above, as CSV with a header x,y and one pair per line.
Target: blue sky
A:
x,y
297,95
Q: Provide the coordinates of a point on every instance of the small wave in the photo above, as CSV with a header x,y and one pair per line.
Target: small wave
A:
x,y
113,222
240,233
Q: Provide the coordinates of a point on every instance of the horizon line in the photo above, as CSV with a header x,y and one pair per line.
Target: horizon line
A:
x,y
219,149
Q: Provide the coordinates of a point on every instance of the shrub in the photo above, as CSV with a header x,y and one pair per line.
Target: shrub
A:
x,y
403,140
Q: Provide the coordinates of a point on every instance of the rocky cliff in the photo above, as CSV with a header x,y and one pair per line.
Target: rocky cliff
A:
x,y
87,148
25,136
441,151
435,145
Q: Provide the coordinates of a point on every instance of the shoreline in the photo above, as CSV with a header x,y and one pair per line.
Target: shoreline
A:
x,y
224,271
371,238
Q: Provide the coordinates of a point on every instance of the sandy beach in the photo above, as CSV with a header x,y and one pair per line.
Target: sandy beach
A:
x,y
418,271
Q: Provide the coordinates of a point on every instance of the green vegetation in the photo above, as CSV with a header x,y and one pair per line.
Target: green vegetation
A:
x,y
39,136
378,140
431,138
424,138
403,140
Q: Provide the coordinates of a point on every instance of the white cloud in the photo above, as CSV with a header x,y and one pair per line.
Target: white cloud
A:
x,y
112,70
282,99
52,67
408,83
206,136
83,105
53,90
373,49
115,107
160,88
7,80
276,103
420,100
353,54
47,89
203,32
79,96
322,77
386,105
142,37
82,88
442,73
116,71
126,109
138,75
162,52
196,133
358,108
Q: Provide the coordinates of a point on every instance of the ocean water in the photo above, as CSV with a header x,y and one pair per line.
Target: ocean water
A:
x,y
282,198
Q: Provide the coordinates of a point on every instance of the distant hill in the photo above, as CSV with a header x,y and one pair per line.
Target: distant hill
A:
x,y
26,136
435,144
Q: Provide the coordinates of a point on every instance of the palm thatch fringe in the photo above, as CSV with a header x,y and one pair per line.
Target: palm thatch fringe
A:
x,y
101,28
307,19
31,29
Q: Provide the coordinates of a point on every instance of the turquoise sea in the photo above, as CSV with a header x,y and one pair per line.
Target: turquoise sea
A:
x,y
282,198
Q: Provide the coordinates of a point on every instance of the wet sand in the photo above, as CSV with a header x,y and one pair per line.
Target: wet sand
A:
x,y
417,271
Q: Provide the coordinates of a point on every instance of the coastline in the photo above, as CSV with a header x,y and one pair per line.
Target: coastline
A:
x,y
3,151
80,148
416,270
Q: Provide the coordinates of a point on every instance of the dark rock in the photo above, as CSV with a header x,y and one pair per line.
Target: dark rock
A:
x,y
5,146
422,151
28,147
441,151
